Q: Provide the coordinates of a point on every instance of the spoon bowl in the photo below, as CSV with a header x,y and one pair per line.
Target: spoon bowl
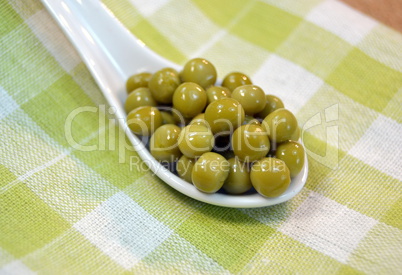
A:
x,y
112,54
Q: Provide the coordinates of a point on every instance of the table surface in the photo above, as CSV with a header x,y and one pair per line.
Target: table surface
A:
x,y
388,12
72,209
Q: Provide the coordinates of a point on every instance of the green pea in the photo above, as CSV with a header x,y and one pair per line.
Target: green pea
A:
x,y
280,125
199,120
270,177
210,172
224,115
296,134
238,180
163,143
196,140
189,99
250,142
251,120
184,168
292,153
251,98
139,97
217,92
272,103
138,80
235,79
200,71
167,118
144,120
162,85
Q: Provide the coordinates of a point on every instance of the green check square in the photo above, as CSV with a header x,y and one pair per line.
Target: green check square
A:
x,y
27,223
160,200
266,26
282,254
222,53
357,185
28,8
366,80
156,41
322,160
6,176
222,12
112,156
350,115
189,261
393,216
27,67
226,235
9,19
379,252
64,112
144,30
314,48
71,253
76,192
125,11
300,8
384,44
393,109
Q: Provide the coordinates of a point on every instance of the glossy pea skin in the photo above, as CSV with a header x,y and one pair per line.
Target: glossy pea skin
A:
x,y
195,140
179,118
139,97
251,120
189,99
137,80
272,103
217,92
250,143
184,168
296,134
162,85
292,153
167,118
238,180
210,172
235,79
163,144
224,115
199,120
280,125
200,71
144,120
251,98
270,177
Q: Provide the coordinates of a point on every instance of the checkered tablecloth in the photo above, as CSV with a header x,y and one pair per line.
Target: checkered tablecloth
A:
x,y
65,210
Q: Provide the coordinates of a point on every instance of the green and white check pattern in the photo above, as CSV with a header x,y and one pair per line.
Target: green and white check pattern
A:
x,y
64,210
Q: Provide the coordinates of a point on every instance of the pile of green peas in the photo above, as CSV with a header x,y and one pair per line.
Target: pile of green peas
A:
x,y
232,137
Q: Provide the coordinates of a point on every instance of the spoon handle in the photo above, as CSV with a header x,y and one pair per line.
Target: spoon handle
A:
x,y
108,49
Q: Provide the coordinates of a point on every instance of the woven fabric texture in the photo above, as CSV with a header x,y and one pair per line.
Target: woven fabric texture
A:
x,y
64,210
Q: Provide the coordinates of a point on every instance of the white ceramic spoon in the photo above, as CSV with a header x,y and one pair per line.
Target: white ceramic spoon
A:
x,y
112,54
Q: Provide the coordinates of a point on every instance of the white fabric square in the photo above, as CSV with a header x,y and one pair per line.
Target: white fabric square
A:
x,y
148,7
42,25
221,54
16,267
7,104
341,20
290,82
190,31
384,156
327,226
123,230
